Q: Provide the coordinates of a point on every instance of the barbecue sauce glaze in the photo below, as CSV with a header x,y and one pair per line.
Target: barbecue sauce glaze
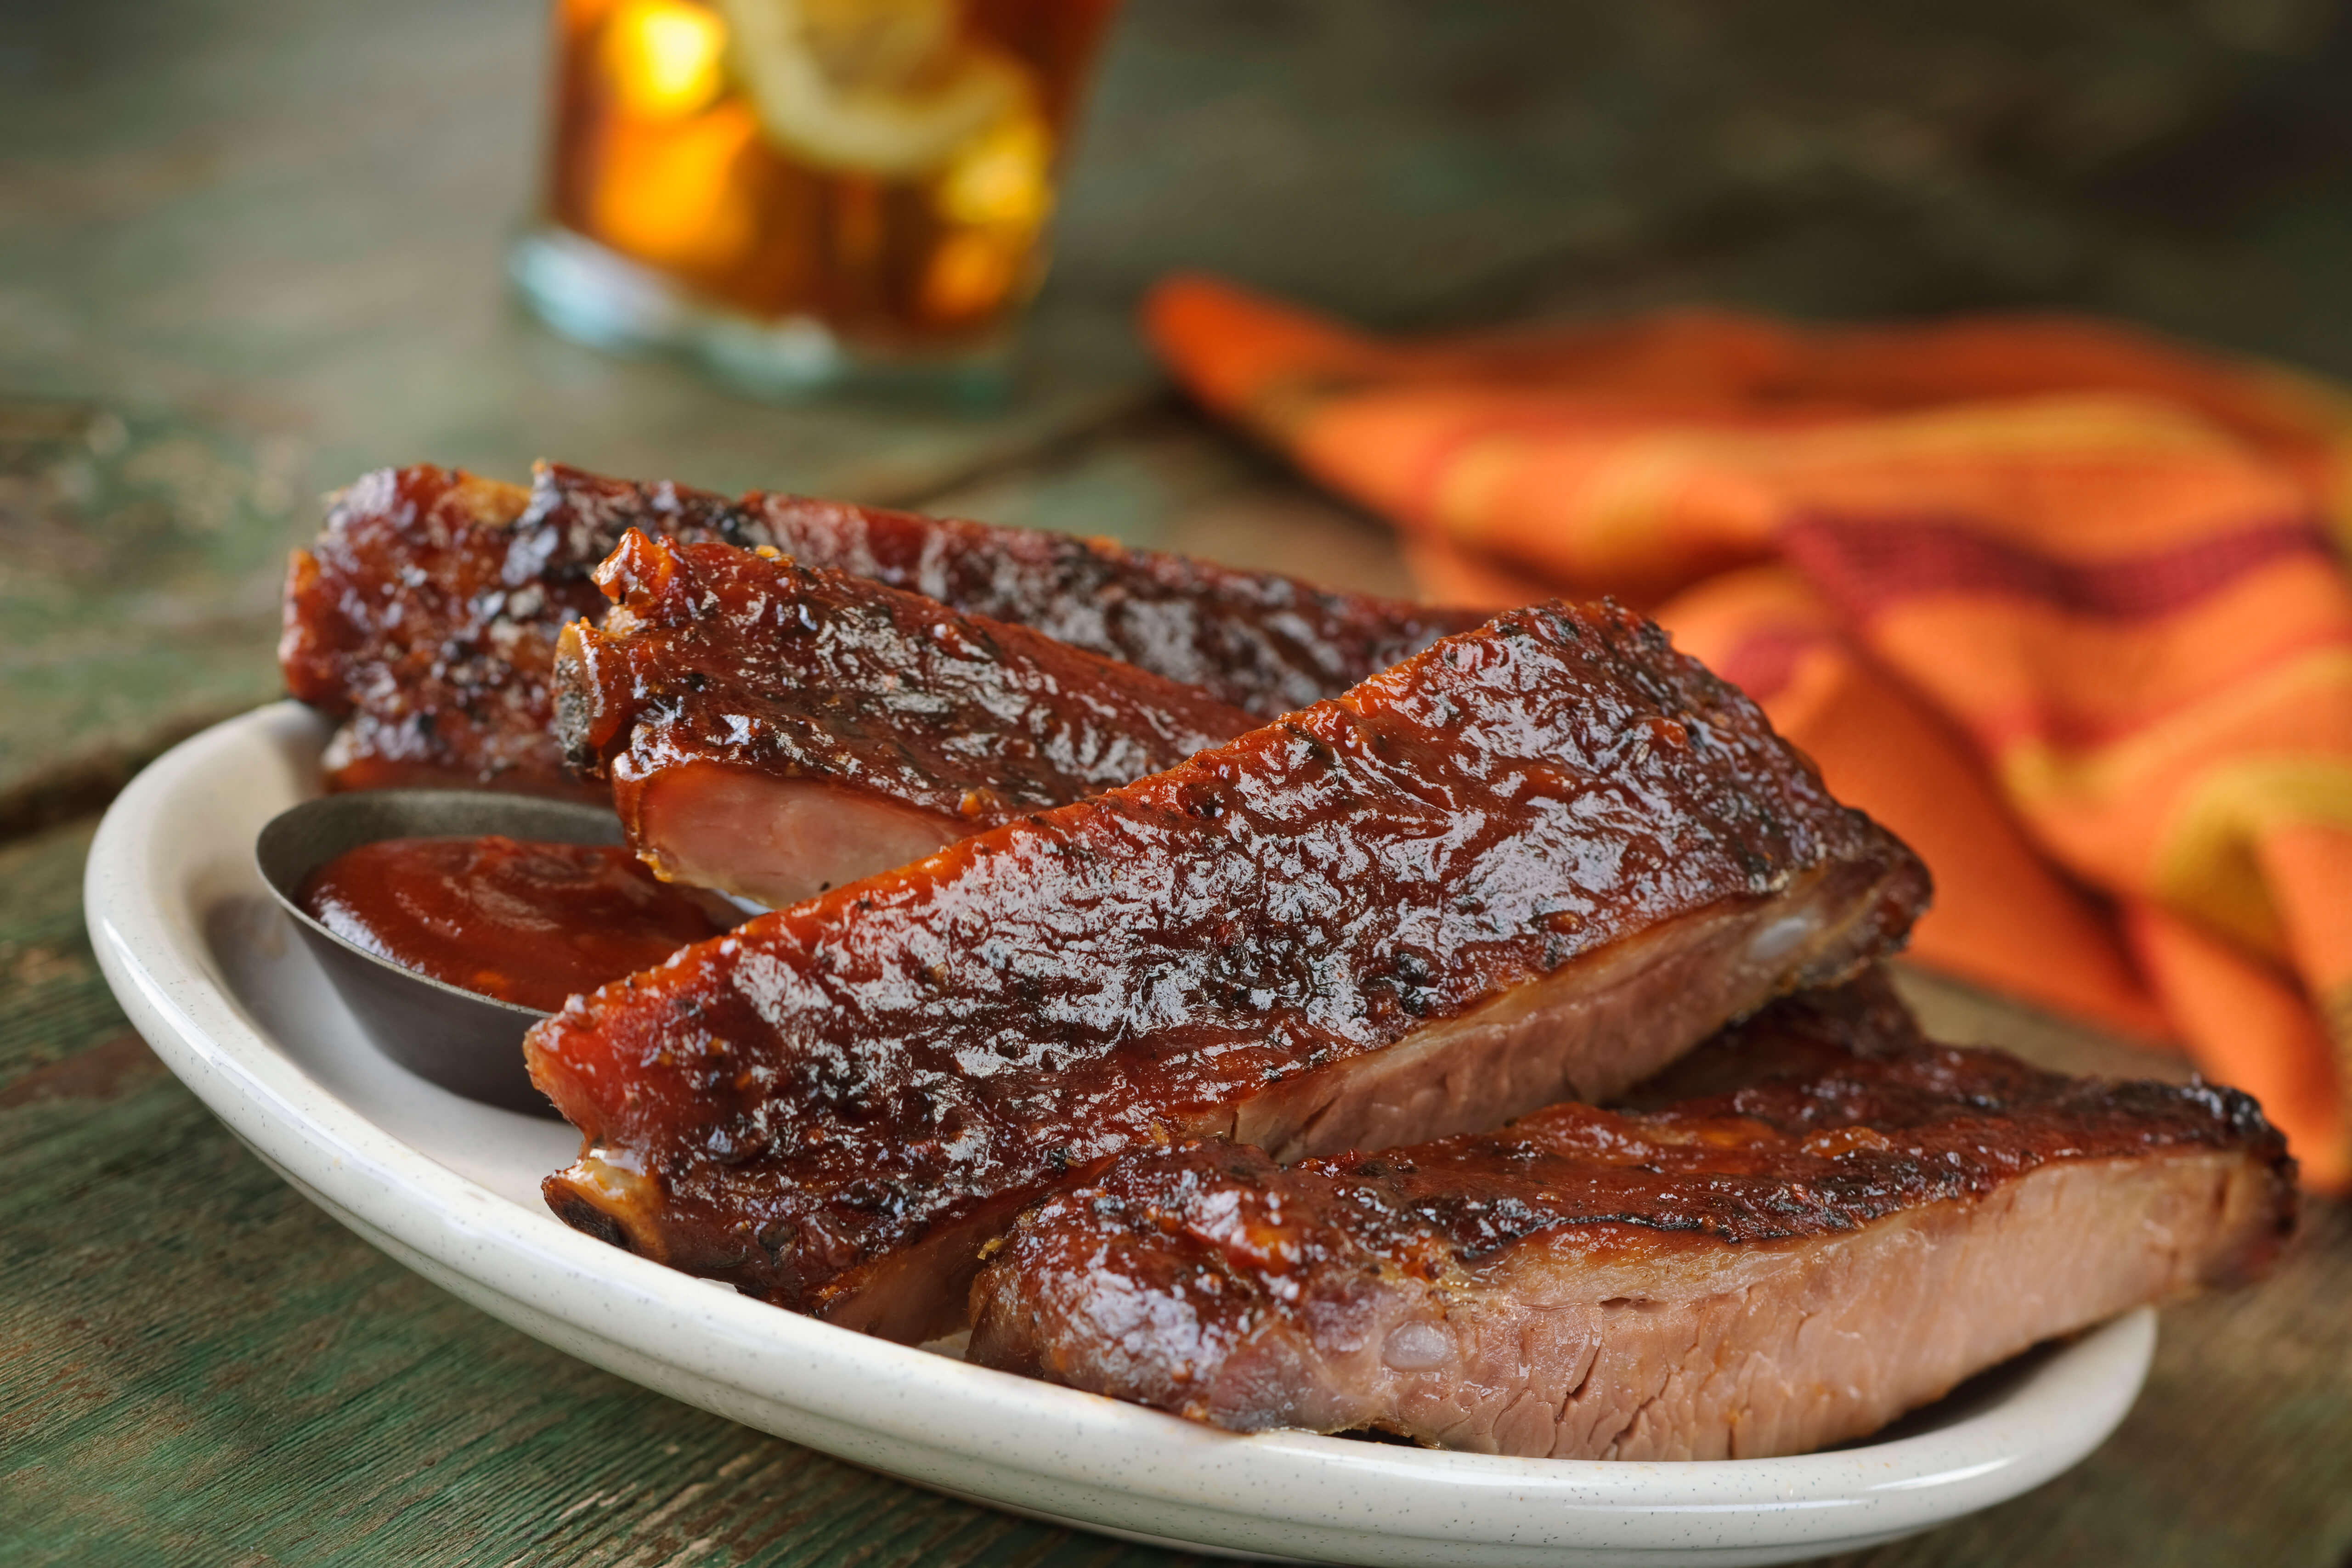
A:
x,y
523,922
424,617
721,656
901,1064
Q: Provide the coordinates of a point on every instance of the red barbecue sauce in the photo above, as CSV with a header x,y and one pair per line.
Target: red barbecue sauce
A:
x,y
524,922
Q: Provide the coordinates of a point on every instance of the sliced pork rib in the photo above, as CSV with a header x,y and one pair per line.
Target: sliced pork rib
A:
x,y
426,617
774,731
426,614
1869,1220
1258,641
1540,860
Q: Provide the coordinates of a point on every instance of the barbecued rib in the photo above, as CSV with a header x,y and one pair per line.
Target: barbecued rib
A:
x,y
775,731
1869,1220
426,615
1538,861
1254,639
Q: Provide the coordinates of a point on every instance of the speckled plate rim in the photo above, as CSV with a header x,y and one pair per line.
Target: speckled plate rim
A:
x,y
177,843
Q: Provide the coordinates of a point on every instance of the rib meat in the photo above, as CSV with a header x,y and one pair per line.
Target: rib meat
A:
x,y
1540,860
1254,639
774,731
426,617
427,614
1866,1221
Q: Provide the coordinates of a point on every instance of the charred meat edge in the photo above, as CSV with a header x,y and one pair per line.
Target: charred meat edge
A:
x,y
775,730
1757,1273
1545,844
426,614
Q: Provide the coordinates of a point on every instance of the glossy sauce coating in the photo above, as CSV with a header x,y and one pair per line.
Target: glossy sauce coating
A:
x,y
426,615
524,922
1843,1113
839,1080
1255,639
748,660
1686,1279
1251,638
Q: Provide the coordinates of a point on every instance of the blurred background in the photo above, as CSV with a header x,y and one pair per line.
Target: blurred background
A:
x,y
249,248
261,242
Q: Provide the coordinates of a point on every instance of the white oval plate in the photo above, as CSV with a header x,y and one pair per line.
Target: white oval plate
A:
x,y
207,969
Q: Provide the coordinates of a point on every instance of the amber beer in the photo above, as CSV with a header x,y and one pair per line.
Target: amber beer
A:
x,y
801,187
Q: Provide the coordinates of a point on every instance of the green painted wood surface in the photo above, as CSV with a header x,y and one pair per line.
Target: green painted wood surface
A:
x,y
139,571
200,1368
250,248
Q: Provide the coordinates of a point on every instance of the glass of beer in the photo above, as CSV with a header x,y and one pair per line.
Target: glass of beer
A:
x,y
806,194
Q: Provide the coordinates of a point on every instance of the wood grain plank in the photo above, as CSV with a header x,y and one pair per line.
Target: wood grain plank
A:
x,y
203,1368
140,588
200,1368
54,1004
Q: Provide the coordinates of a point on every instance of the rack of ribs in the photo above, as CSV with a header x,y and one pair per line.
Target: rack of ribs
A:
x,y
426,615
1863,1222
775,730
1540,860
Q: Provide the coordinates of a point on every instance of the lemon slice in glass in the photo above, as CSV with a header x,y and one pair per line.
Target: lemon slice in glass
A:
x,y
890,88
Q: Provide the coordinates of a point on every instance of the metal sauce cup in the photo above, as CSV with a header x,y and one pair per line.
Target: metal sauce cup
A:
x,y
468,1044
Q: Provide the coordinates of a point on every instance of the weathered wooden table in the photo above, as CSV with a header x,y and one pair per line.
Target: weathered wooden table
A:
x,y
248,248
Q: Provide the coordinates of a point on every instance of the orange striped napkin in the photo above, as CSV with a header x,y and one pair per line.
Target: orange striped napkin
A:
x,y
2061,604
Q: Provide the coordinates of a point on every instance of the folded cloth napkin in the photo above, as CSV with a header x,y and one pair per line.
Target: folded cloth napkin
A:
x,y
2059,602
